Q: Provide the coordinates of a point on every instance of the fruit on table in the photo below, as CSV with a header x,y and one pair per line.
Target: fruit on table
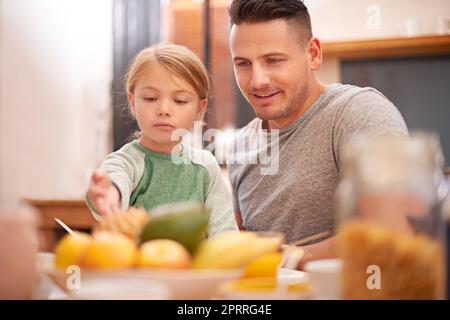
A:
x,y
233,249
265,266
184,222
69,250
129,223
109,250
163,253
253,284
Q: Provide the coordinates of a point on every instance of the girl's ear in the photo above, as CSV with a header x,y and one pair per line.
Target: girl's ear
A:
x,y
131,103
201,109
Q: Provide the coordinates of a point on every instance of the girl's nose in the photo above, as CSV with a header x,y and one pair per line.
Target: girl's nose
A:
x,y
164,108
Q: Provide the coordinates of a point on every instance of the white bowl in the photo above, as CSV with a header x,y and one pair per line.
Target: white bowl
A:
x,y
192,283
102,285
325,278
182,284
120,288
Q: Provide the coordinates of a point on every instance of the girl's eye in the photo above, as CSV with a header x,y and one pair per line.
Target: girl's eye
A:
x,y
180,101
150,99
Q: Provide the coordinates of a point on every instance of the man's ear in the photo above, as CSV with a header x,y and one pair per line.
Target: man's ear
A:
x,y
315,54
131,103
201,109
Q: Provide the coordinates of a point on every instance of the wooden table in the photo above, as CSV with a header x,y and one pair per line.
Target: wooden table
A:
x,y
74,213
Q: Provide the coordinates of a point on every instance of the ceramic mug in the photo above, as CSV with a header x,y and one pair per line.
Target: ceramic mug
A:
x,y
325,276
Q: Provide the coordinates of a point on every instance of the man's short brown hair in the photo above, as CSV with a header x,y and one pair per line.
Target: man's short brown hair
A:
x,y
254,11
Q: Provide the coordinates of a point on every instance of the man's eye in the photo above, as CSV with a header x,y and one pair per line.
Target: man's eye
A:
x,y
243,64
150,99
273,61
180,101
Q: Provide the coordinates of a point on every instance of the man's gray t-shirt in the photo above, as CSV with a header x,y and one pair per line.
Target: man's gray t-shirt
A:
x,y
292,191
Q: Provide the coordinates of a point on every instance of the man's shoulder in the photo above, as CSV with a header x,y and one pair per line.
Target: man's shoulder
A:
x,y
354,100
342,94
348,101
201,157
253,125
250,133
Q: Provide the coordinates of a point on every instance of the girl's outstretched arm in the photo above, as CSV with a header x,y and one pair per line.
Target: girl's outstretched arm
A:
x,y
102,194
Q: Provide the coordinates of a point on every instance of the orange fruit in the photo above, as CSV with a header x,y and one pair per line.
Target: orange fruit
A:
x,y
163,253
109,250
69,250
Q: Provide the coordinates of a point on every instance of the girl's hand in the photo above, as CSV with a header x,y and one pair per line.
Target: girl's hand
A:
x,y
103,195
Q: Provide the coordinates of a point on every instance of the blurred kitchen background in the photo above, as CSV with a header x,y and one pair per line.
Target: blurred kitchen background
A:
x,y
62,105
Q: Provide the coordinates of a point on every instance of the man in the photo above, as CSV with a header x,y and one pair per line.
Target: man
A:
x,y
275,58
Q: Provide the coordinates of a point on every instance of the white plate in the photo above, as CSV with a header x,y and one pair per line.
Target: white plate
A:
x,y
285,278
288,276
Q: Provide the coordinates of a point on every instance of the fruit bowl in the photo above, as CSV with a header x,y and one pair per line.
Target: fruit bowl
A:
x,y
182,284
120,288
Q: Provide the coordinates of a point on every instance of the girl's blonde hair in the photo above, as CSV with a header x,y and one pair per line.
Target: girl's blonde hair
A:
x,y
177,59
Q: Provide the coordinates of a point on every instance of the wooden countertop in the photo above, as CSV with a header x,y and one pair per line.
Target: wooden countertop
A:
x,y
73,213
388,48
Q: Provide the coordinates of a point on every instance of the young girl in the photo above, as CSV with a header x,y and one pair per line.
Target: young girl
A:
x,y
167,88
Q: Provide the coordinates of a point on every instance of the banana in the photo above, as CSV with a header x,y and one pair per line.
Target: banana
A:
x,y
232,249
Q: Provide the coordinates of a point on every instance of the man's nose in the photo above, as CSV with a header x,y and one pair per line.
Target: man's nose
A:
x,y
260,77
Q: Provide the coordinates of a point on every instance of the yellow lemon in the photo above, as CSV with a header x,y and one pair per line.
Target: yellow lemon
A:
x,y
109,250
69,250
265,266
164,253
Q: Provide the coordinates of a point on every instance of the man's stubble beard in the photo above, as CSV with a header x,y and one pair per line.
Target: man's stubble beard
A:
x,y
288,109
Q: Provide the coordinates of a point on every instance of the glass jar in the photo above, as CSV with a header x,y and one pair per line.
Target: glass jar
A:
x,y
446,223
389,210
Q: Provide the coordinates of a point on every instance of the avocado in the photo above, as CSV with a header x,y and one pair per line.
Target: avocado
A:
x,y
184,222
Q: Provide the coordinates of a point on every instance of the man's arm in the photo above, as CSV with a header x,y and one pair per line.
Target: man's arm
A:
x,y
238,218
368,114
326,249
